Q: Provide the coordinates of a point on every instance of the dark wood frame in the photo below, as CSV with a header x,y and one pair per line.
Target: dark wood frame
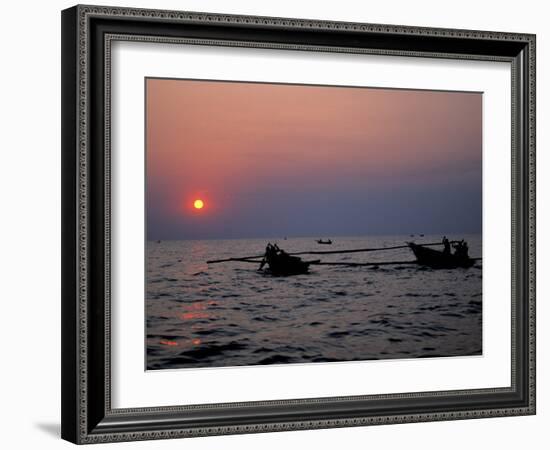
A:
x,y
87,32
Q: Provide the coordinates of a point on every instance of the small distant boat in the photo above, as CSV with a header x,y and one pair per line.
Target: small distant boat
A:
x,y
327,242
439,260
159,241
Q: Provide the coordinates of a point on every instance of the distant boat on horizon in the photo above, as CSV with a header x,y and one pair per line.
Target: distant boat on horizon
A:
x,y
327,242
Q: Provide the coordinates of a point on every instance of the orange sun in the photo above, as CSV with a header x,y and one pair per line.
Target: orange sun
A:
x,y
198,204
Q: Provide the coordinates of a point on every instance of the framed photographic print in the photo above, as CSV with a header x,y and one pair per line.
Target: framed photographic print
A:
x,y
267,222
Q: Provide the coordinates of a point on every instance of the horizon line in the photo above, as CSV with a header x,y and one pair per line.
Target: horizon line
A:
x,y
411,235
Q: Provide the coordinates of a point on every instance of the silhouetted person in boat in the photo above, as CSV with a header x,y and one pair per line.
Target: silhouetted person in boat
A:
x,y
273,251
269,251
280,252
464,249
446,246
461,249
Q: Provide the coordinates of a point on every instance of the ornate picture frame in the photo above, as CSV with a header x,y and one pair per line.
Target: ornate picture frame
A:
x,y
87,35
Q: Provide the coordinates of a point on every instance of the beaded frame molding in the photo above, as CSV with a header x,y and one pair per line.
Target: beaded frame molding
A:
x,y
87,35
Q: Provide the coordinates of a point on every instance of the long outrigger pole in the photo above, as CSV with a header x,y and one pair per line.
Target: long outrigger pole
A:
x,y
253,259
359,250
381,263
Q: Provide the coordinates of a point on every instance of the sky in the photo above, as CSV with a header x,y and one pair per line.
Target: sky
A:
x,y
275,160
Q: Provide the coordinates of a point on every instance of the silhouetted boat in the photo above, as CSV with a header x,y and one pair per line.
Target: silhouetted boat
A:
x,y
282,265
439,260
327,242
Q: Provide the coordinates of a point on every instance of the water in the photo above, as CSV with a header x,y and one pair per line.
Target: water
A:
x,y
228,314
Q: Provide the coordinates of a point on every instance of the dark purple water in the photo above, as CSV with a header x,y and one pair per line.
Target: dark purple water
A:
x,y
201,315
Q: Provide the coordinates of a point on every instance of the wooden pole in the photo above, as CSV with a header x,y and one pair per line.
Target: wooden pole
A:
x,y
356,250
249,259
325,252
351,264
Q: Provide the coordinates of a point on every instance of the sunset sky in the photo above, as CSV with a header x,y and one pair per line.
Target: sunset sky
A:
x,y
273,160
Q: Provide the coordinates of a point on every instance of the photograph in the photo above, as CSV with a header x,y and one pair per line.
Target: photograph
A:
x,y
301,223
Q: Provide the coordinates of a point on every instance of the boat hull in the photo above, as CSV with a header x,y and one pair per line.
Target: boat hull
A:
x,y
439,260
284,266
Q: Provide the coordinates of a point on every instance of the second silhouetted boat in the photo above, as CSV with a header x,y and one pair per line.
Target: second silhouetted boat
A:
x,y
440,260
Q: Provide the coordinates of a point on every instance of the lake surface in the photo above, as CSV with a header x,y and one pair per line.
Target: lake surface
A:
x,y
229,314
